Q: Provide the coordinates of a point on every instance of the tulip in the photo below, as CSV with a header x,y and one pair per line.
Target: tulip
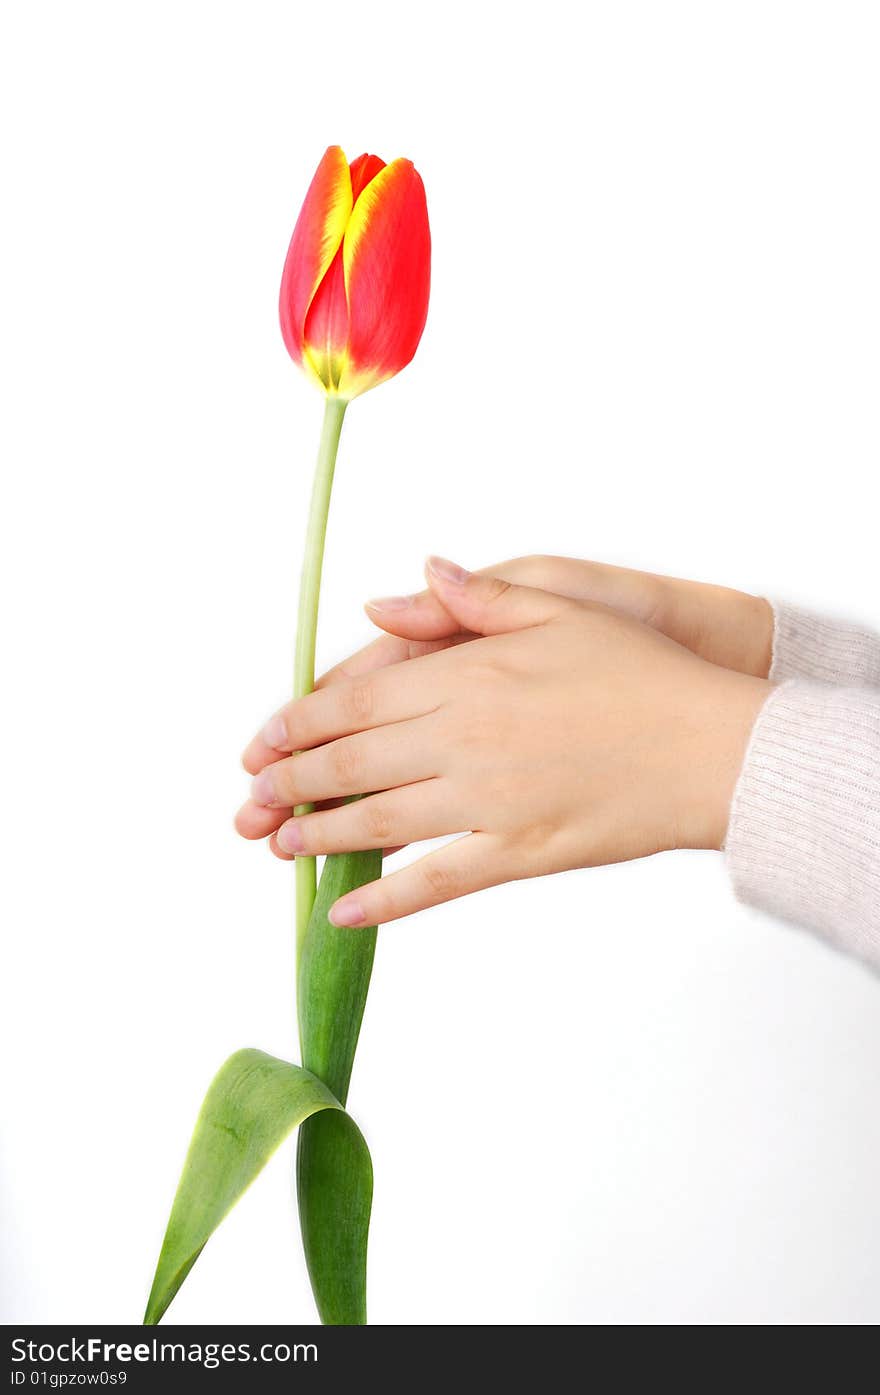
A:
x,y
354,293
354,298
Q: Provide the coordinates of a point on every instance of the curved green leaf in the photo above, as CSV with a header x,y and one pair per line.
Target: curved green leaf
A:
x,y
333,976
333,1219
332,983
254,1102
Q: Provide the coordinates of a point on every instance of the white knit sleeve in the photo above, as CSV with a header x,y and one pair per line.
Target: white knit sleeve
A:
x,y
811,646
803,840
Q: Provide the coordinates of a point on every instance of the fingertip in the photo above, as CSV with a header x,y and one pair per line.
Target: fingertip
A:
x,y
389,605
347,914
278,851
258,755
274,734
440,569
254,822
421,616
242,823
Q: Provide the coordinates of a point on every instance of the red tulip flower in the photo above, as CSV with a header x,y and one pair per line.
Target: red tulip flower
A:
x,y
354,293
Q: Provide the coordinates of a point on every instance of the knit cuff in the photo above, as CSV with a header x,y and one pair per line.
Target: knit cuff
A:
x,y
804,835
809,646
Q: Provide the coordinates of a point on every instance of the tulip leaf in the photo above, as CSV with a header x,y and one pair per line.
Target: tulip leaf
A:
x,y
334,1211
254,1102
334,974
333,980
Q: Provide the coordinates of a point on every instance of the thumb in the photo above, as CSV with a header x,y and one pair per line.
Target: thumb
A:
x,y
486,605
419,617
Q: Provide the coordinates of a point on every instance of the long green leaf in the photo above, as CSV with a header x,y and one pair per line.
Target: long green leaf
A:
x,y
332,984
254,1103
334,975
334,1221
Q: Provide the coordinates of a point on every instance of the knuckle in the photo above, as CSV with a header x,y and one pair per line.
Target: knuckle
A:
x,y
496,588
358,699
285,782
377,823
346,765
441,881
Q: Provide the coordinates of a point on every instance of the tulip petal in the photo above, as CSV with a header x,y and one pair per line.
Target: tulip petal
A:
x,y
363,169
325,336
386,255
316,239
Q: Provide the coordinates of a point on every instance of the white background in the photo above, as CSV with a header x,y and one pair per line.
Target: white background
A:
x,y
611,1097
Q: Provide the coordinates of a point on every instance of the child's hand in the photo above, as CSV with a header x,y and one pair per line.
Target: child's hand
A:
x,y
569,736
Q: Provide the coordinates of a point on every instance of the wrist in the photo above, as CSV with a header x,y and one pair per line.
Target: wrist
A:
x,y
728,628
727,732
757,636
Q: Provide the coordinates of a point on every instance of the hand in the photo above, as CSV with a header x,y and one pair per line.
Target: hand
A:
x,y
567,735
726,627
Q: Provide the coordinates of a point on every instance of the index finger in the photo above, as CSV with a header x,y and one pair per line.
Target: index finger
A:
x,y
381,653
393,694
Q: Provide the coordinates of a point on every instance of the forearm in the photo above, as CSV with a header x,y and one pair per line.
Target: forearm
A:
x,y
804,835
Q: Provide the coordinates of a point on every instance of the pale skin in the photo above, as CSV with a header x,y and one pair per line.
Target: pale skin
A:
x,y
557,713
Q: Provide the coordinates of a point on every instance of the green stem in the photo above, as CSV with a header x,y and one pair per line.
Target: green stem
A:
x,y
307,624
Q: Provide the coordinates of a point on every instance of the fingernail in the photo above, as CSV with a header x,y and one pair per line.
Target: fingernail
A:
x,y
290,837
263,788
447,571
391,603
275,734
346,913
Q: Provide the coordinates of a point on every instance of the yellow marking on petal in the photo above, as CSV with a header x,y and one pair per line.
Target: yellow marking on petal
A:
x,y
325,368
359,219
336,217
313,369
353,383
